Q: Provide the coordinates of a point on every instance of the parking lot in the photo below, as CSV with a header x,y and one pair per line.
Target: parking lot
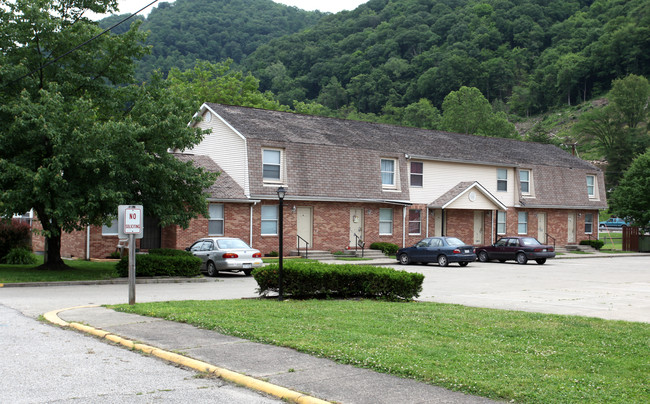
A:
x,y
616,288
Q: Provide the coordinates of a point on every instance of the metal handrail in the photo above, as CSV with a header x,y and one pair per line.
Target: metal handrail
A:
x,y
548,235
358,242
306,246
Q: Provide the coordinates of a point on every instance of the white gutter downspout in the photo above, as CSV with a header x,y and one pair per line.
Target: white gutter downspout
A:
x,y
404,226
250,226
88,243
492,227
427,232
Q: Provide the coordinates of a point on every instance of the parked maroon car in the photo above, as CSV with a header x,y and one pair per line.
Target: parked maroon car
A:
x,y
520,249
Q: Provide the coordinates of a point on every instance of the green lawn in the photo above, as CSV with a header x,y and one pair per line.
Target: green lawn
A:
x,y
79,271
613,241
506,355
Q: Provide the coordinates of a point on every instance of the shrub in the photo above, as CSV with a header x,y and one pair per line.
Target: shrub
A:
x,y
20,256
170,252
13,234
160,265
386,248
597,244
306,279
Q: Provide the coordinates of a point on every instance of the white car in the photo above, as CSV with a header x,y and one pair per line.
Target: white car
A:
x,y
225,254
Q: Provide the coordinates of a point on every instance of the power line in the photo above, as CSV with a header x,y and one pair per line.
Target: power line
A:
x,y
80,46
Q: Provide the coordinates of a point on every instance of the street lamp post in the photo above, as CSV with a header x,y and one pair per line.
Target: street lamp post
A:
x,y
281,193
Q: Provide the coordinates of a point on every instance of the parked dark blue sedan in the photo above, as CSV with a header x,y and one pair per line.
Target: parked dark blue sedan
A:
x,y
442,250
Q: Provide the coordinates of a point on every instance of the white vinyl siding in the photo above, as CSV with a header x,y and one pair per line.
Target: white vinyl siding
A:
x,y
385,221
269,220
216,221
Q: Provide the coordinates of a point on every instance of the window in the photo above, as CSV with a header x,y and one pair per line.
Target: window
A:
x,y
522,225
589,223
386,221
524,181
271,166
416,174
414,221
270,220
502,179
501,222
388,173
110,230
591,186
215,223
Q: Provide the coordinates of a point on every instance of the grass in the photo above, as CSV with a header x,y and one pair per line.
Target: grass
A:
x,y
79,271
613,241
506,355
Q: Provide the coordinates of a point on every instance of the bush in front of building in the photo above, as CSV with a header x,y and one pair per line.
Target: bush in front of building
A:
x,y
386,248
13,234
19,256
317,280
170,252
160,265
597,244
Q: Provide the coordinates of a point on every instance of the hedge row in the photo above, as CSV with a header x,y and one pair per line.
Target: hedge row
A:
x,y
161,265
170,252
308,280
386,248
597,244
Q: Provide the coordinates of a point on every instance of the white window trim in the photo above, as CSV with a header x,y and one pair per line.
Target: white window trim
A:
x,y
530,182
386,221
282,167
595,187
394,185
276,220
519,222
411,174
221,219
592,223
412,221
505,227
505,170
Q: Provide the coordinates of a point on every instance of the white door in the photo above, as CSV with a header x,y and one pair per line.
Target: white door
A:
x,y
479,227
356,225
541,227
571,228
305,224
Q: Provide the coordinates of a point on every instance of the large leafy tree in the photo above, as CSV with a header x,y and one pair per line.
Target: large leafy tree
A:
x,y
78,138
631,198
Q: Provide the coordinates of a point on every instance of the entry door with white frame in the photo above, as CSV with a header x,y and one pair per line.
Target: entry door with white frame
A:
x,y
356,225
305,226
479,227
541,227
571,228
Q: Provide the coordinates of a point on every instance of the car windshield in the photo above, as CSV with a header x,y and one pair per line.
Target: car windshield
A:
x,y
232,244
453,241
529,241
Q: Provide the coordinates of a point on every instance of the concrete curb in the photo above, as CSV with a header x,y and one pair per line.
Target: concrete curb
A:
x,y
116,281
234,377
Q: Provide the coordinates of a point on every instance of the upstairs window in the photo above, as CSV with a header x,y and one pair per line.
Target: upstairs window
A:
x,y
502,179
215,223
591,186
524,180
388,173
272,165
417,174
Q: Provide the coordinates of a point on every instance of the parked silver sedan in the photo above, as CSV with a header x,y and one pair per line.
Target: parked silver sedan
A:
x,y
226,254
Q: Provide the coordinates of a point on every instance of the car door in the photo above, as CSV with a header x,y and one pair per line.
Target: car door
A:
x,y
510,250
435,247
197,250
499,249
420,250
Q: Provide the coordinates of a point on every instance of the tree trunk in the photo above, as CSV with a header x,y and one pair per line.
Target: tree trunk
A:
x,y
52,259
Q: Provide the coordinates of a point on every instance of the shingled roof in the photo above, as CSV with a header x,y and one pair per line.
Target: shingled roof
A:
x,y
224,188
436,145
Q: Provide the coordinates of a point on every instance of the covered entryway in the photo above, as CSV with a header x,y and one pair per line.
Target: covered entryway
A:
x,y
305,227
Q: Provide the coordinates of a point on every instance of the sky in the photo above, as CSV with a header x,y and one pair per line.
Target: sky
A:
x,y
332,6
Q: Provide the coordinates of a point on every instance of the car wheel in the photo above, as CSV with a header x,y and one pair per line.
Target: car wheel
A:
x,y
443,261
463,264
483,256
521,258
540,261
212,270
248,272
404,259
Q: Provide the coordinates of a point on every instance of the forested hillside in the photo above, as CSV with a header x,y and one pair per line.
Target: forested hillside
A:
x,y
213,30
531,54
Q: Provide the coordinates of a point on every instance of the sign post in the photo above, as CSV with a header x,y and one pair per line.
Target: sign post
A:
x,y
130,225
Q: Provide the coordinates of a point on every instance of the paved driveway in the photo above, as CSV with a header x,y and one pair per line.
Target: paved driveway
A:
x,y
615,288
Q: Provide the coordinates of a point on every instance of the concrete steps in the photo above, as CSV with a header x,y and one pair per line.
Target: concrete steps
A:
x,y
321,255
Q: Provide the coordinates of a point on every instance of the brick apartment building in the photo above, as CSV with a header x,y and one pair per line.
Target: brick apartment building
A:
x,y
348,181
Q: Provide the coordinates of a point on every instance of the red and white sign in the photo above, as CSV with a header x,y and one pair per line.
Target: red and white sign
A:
x,y
132,221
